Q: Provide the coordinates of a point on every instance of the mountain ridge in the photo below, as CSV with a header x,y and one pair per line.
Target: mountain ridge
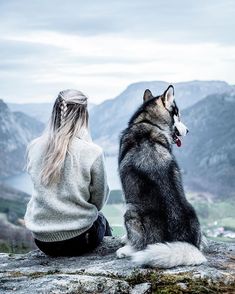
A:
x,y
16,131
40,111
110,117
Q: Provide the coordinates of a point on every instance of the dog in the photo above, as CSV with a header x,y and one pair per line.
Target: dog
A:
x,y
161,225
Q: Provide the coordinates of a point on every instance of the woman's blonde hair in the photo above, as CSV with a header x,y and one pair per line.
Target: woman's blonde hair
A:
x,y
69,117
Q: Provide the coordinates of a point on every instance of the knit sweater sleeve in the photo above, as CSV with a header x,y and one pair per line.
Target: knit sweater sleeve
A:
x,y
99,189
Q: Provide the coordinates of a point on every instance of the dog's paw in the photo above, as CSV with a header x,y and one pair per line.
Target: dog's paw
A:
x,y
125,251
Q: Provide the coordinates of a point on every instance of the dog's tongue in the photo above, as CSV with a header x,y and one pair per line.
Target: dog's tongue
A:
x,y
178,142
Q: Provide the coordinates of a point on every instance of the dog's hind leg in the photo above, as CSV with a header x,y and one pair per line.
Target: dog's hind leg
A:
x,y
135,234
135,229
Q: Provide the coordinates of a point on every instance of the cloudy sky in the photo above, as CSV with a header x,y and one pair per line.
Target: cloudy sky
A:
x,y
100,47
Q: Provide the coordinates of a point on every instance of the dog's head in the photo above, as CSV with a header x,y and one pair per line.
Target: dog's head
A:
x,y
163,111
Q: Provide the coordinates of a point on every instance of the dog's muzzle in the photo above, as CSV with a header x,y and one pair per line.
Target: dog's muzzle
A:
x,y
180,130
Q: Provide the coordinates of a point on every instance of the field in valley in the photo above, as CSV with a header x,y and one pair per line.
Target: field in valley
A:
x,y
217,218
114,214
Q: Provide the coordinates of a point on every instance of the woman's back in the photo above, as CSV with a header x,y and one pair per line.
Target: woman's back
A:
x,y
67,207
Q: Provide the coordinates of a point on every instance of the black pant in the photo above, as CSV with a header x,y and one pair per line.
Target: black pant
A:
x,y
78,245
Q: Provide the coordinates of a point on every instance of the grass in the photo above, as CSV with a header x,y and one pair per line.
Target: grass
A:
x,y
228,222
6,247
114,214
218,214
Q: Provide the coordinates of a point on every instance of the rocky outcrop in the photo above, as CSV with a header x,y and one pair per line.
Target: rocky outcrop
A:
x,y
102,272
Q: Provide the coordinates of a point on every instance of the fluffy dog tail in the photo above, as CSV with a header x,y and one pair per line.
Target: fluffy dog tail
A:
x,y
167,255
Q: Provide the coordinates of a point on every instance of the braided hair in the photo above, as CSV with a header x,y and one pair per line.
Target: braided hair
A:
x,y
63,110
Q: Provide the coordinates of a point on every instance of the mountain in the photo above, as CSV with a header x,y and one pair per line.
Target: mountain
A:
x,y
207,156
111,116
16,130
40,111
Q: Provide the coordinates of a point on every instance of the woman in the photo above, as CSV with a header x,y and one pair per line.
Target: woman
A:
x,y
69,179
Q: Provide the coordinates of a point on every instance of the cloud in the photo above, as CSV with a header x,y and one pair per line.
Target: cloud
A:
x,y
54,61
102,46
178,21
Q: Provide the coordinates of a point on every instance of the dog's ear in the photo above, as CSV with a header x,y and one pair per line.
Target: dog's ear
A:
x,y
168,97
147,95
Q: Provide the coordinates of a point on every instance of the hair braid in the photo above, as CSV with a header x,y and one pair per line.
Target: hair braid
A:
x,y
63,111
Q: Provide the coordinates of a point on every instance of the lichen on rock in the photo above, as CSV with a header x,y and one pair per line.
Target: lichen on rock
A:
x,y
101,272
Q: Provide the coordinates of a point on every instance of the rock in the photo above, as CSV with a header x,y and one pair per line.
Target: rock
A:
x,y
101,272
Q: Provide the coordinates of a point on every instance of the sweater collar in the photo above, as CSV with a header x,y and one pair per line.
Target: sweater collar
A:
x,y
84,134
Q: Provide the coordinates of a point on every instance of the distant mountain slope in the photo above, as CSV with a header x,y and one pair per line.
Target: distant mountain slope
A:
x,y
207,155
111,116
16,130
40,111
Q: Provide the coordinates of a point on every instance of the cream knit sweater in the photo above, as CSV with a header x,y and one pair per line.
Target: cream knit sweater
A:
x,y
67,209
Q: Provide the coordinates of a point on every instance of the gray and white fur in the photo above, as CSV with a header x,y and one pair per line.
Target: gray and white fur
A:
x,y
161,225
